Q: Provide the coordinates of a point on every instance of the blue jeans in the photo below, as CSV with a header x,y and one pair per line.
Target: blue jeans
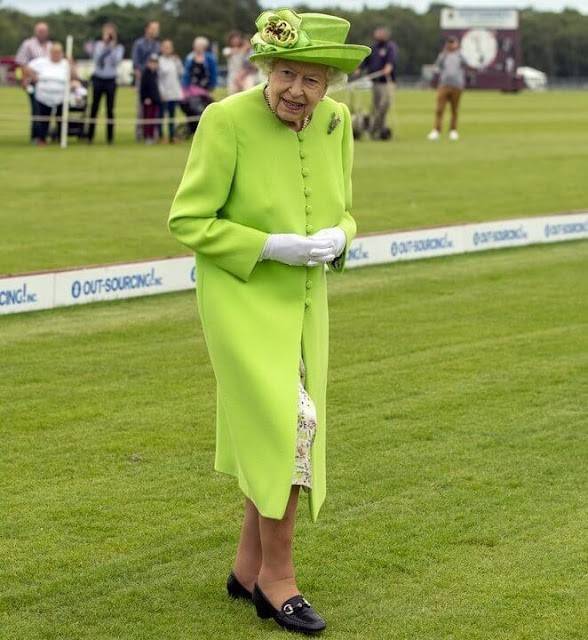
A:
x,y
169,107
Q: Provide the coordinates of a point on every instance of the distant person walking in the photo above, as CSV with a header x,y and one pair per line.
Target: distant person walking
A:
x,y
170,89
451,65
107,55
150,98
50,77
200,68
37,46
143,48
381,61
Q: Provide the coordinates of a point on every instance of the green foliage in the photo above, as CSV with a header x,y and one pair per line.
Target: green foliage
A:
x,y
556,43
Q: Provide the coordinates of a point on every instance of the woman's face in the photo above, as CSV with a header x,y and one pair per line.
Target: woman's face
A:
x,y
56,53
108,33
295,88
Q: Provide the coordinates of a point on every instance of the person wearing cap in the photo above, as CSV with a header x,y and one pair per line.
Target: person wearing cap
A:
x,y
380,65
265,203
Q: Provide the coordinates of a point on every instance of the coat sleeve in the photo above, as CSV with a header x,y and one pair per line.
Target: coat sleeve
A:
x,y
196,218
347,222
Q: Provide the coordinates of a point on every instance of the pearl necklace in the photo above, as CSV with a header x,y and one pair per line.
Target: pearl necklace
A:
x,y
306,118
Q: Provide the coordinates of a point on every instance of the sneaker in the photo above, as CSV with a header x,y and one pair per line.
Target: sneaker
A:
x,y
453,135
434,135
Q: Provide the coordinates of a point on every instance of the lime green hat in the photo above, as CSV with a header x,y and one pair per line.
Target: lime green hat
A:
x,y
306,37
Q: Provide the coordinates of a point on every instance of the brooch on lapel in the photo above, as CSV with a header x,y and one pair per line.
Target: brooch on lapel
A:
x,y
335,121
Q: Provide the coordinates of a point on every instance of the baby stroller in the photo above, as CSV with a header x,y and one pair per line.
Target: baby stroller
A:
x,y
78,107
195,100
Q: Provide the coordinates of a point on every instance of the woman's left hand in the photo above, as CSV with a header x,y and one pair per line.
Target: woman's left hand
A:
x,y
334,234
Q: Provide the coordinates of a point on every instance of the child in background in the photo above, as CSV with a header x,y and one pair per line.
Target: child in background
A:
x,y
170,90
150,98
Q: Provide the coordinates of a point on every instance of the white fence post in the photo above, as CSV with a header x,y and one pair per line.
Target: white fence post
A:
x,y
65,110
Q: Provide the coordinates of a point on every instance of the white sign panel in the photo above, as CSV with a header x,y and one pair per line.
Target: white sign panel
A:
x,y
569,227
501,234
122,281
481,18
26,293
426,243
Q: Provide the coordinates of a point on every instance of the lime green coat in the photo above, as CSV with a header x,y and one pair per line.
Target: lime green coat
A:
x,y
248,175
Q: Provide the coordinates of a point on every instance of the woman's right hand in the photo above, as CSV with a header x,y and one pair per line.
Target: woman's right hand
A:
x,y
297,250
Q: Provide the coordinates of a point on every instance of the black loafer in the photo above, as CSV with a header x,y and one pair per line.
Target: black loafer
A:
x,y
296,614
236,590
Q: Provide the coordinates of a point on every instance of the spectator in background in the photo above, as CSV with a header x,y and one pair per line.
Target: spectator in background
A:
x,y
150,97
235,56
451,66
241,74
50,77
381,61
250,73
36,47
170,90
200,69
107,55
143,48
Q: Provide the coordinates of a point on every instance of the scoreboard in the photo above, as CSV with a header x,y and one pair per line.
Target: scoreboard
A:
x,y
490,43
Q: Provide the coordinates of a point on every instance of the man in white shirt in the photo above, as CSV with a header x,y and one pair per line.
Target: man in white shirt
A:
x,y
36,47
50,76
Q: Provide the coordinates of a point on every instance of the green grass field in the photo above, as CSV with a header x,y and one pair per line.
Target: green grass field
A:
x,y
519,155
456,504
457,446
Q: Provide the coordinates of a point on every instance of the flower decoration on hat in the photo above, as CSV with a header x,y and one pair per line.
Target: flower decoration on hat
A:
x,y
278,30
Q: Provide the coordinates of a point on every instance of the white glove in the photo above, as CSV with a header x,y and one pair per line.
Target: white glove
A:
x,y
336,236
296,250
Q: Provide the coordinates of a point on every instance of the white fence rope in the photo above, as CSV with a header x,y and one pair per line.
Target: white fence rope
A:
x,y
97,120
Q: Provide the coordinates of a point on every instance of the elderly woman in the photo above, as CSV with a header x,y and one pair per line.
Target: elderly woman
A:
x,y
50,77
200,66
265,203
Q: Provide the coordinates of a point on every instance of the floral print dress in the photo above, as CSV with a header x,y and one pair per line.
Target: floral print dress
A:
x,y
305,435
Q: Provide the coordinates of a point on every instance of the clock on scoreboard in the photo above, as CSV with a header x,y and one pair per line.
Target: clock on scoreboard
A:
x,y
490,43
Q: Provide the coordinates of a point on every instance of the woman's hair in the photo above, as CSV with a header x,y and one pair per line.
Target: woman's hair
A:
x,y
201,42
336,79
234,34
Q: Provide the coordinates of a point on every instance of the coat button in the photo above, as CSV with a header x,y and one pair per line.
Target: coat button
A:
x,y
302,154
307,302
307,191
309,228
305,171
308,208
308,284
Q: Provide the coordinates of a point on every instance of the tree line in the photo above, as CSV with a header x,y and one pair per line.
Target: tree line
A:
x,y
556,43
